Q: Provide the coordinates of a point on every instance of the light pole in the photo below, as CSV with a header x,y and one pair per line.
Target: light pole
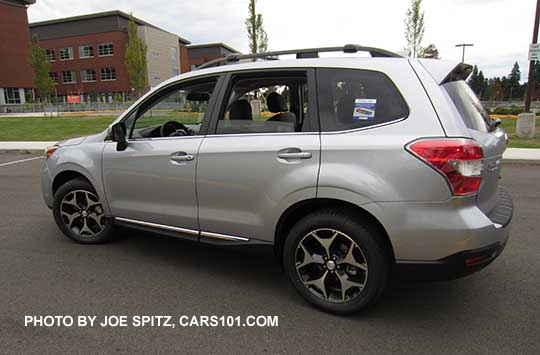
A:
x,y
463,45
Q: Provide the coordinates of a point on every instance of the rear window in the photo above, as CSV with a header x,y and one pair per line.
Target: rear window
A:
x,y
469,107
351,98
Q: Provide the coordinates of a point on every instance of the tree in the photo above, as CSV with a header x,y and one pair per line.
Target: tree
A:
x,y
258,40
430,51
477,82
513,85
41,65
135,58
414,28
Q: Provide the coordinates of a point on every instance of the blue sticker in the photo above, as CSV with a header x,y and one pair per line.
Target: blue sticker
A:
x,y
364,109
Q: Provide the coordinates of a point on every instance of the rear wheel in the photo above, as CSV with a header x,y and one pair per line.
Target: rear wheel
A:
x,y
79,214
335,262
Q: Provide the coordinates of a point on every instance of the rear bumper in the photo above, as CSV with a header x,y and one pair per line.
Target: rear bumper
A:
x,y
452,267
447,240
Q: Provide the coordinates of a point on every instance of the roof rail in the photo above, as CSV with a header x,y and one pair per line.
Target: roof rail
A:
x,y
300,54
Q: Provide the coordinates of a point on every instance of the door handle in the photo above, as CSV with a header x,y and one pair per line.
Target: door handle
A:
x,y
181,157
294,154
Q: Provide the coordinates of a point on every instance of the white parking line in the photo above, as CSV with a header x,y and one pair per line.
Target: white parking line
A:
x,y
19,161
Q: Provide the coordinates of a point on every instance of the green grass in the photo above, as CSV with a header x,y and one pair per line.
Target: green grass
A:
x,y
58,128
509,125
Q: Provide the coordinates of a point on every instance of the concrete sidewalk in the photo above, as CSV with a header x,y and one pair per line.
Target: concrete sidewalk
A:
x,y
517,155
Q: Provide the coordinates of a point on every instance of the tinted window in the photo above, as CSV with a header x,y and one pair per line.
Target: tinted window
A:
x,y
350,99
469,107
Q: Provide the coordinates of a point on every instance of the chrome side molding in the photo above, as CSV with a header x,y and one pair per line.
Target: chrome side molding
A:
x,y
183,230
223,236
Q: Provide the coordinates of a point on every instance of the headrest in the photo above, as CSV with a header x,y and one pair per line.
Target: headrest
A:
x,y
345,109
240,110
276,103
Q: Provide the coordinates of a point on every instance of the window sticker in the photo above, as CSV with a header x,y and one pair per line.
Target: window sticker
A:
x,y
364,109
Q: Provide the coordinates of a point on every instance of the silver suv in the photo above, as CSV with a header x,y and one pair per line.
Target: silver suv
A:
x,y
353,168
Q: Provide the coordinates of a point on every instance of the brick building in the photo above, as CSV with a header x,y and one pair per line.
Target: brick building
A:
x,y
201,53
87,54
16,78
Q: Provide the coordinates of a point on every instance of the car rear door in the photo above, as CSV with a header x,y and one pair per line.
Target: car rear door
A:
x,y
251,168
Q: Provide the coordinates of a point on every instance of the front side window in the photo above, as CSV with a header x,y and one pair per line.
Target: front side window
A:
x,y
351,99
105,49
66,53
86,51
272,104
88,75
175,111
12,96
68,77
108,74
51,56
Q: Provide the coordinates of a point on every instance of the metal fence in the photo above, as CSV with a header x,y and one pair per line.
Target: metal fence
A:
x,y
64,107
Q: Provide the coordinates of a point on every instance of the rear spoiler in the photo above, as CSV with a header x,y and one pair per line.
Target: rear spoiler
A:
x,y
443,71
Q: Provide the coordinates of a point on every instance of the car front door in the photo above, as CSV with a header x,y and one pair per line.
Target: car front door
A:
x,y
152,182
261,154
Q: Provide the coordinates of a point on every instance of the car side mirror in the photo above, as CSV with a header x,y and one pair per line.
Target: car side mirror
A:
x,y
118,133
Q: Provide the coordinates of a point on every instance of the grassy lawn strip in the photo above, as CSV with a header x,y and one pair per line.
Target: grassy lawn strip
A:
x,y
509,125
58,128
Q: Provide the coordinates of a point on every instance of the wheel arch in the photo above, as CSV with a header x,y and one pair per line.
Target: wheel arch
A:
x,y
302,208
65,176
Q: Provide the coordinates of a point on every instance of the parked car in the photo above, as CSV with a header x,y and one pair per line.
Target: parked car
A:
x,y
363,167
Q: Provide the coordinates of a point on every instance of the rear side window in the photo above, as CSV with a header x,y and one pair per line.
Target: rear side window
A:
x,y
469,107
351,98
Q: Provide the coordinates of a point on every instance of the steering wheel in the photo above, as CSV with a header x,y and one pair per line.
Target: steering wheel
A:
x,y
173,129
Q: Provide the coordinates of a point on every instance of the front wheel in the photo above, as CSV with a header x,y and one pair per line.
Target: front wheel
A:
x,y
79,214
335,262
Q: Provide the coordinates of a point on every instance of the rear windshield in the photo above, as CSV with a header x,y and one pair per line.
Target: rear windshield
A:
x,y
469,107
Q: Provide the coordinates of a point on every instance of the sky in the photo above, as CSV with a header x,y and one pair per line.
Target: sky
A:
x,y
500,30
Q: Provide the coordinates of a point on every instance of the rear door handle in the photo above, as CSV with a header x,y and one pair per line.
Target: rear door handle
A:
x,y
293,153
181,157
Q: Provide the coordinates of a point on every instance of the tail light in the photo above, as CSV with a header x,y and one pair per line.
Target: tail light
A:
x,y
459,160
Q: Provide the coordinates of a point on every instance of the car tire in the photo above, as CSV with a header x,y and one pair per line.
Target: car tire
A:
x,y
79,213
352,282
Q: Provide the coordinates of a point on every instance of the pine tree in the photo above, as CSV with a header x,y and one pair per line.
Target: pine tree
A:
x,y
513,85
135,58
258,39
414,28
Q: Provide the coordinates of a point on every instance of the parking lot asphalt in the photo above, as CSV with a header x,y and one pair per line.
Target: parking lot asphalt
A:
x,y
43,273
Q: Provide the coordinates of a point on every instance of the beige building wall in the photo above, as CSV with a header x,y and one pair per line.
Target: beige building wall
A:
x,y
163,54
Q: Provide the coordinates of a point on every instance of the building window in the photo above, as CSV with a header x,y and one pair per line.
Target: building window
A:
x,y
54,76
105,49
12,96
68,77
51,56
66,53
88,75
174,54
108,74
86,51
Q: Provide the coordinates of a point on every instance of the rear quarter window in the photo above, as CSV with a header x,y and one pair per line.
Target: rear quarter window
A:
x,y
469,107
353,98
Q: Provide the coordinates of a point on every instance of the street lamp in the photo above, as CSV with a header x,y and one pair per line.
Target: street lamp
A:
x,y
463,45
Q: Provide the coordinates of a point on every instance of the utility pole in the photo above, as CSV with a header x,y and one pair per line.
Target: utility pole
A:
x,y
530,84
463,45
